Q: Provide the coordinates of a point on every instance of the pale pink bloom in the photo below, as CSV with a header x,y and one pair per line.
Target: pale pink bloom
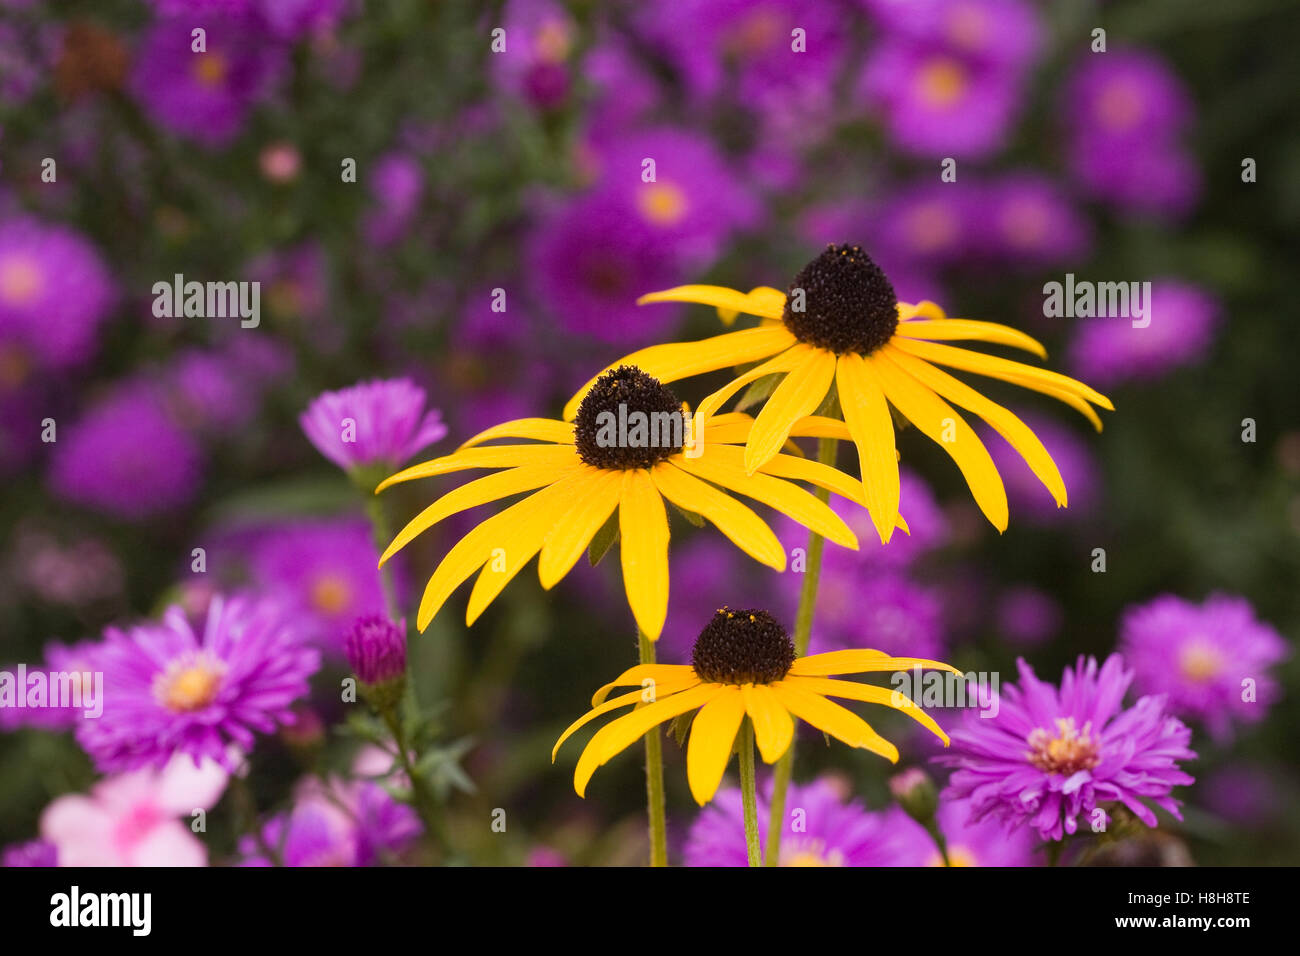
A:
x,y
140,818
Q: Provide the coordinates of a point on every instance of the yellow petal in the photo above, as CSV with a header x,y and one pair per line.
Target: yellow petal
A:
x,y
850,690
788,498
1017,433
800,394
713,732
958,329
819,426
493,456
720,297
773,725
839,722
995,367
867,414
643,546
854,661
623,700
541,429
620,734
526,539
745,529
783,362
493,487
679,360
589,511
660,674
471,551
938,421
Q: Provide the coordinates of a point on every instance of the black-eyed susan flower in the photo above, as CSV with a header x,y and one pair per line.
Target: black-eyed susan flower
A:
x,y
628,450
841,330
743,665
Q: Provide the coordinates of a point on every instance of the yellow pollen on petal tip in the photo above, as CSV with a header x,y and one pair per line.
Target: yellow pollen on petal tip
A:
x,y
1199,661
1119,107
662,203
210,70
190,683
331,594
20,280
942,81
1068,751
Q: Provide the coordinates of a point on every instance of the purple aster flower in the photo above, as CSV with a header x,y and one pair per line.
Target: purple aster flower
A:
x,y
624,89
983,843
296,280
999,32
170,690
397,185
745,50
928,222
859,605
589,263
1027,616
1074,460
55,292
1210,660
822,828
314,833
1183,320
78,662
540,36
1246,793
695,202
1130,109
1026,217
376,649
126,456
1049,756
381,423
326,571
294,19
31,853
338,822
205,96
937,103
208,392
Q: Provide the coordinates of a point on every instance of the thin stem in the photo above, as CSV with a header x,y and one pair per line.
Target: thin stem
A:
x,y
937,836
379,525
425,805
826,451
748,799
654,775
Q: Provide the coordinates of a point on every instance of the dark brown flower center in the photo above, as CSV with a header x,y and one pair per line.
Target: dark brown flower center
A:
x,y
628,420
843,302
742,647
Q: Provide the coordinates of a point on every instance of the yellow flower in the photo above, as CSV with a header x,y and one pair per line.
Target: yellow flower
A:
x,y
585,470
743,664
842,329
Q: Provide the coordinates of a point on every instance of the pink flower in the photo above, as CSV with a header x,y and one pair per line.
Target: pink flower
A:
x,y
134,819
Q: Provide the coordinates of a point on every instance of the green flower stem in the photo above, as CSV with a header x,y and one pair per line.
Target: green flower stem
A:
x,y
748,799
936,835
379,525
421,796
826,451
654,775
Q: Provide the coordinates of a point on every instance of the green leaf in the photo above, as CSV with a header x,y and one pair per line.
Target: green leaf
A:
x,y
604,540
758,391
690,516
680,726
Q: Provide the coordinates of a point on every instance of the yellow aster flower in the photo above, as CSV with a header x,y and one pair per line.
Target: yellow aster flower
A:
x,y
743,665
586,470
841,330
